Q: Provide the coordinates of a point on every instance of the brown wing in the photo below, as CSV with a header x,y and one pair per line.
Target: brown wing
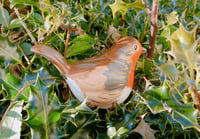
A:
x,y
101,60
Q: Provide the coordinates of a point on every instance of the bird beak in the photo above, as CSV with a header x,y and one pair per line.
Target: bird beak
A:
x,y
144,50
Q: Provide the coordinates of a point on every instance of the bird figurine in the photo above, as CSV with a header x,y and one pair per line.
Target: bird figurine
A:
x,y
103,79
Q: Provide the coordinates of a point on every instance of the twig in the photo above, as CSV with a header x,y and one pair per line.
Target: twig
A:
x,y
4,15
147,6
154,28
48,34
11,104
31,62
42,11
195,97
26,58
26,28
67,40
194,6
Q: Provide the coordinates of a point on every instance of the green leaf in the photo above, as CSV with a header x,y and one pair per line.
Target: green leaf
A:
x,y
54,116
2,19
80,45
155,98
172,18
80,108
11,127
13,80
80,120
37,18
111,132
145,130
12,91
184,46
41,103
169,69
23,2
159,99
15,23
127,120
121,6
27,48
8,51
185,114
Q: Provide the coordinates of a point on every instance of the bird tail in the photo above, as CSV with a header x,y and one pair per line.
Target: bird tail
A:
x,y
54,56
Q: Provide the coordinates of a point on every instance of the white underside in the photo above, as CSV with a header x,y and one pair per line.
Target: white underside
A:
x,y
80,96
124,94
75,89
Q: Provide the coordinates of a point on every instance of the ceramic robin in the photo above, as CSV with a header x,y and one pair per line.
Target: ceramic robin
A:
x,y
103,79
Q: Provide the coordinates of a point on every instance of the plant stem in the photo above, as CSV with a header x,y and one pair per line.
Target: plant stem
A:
x,y
26,28
195,97
147,6
154,27
42,11
194,6
31,62
67,40
11,104
48,34
4,16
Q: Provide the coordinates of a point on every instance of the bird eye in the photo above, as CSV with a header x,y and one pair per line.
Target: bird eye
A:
x,y
135,47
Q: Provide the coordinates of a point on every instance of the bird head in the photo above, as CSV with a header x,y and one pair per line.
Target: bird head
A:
x,y
127,48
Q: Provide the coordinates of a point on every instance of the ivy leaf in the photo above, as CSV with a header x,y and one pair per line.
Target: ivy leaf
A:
x,y
121,6
11,127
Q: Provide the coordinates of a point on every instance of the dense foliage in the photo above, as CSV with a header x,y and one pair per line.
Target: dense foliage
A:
x,y
35,100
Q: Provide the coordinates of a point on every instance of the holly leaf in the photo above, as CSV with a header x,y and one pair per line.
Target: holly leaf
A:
x,y
184,46
155,98
80,119
11,126
145,130
8,51
114,32
121,6
172,18
159,99
42,110
185,114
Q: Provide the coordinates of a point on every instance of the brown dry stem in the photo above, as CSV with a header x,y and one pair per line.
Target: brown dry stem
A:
x,y
195,97
154,25
67,39
26,28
